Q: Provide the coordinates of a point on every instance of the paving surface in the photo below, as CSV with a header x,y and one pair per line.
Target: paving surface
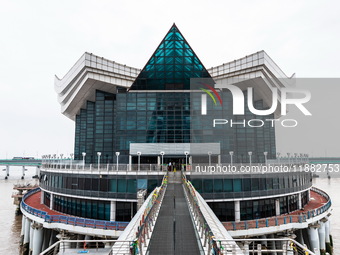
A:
x,y
174,232
34,201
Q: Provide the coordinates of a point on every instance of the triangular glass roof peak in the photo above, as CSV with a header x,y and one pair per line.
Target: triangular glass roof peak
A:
x,y
171,66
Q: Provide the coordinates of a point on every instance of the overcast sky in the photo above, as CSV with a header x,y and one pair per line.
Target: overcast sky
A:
x,y
40,39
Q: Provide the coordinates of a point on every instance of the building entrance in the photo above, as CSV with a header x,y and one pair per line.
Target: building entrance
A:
x,y
174,163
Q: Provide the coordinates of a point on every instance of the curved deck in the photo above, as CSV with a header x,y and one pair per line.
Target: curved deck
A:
x,y
318,204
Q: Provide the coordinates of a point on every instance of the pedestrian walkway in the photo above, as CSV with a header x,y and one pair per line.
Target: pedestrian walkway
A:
x,y
174,231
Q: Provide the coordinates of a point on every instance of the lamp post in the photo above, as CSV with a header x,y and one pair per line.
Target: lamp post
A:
x,y
295,155
117,155
61,159
139,153
162,154
98,154
55,160
250,153
265,157
186,159
71,155
209,153
231,157
84,154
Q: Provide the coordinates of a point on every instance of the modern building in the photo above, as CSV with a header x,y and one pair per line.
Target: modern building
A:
x,y
133,124
117,108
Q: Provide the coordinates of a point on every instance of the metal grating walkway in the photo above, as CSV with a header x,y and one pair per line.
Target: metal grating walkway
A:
x,y
174,231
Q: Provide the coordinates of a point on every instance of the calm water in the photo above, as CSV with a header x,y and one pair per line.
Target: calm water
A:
x,y
11,224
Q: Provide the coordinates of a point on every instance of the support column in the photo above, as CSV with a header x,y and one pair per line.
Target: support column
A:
x,y
23,222
113,211
300,236
327,236
308,195
237,211
277,207
37,239
272,244
54,238
51,201
299,201
130,162
47,237
219,159
31,238
314,239
27,230
190,160
42,197
322,237
327,232
7,171
158,160
131,210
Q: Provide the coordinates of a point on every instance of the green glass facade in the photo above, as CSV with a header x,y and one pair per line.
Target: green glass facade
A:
x,y
159,107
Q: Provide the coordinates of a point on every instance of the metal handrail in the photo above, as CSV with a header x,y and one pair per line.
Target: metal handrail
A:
x,y
149,218
71,166
69,220
288,245
61,245
280,220
203,226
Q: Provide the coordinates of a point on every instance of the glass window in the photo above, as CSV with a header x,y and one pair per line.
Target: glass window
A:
x,y
218,185
121,185
113,185
228,185
208,186
131,186
237,185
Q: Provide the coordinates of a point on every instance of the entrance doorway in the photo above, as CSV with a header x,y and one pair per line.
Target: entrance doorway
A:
x,y
174,163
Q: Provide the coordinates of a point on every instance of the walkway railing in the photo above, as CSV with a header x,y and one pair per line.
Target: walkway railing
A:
x,y
85,246
149,219
140,227
204,230
285,246
284,219
69,220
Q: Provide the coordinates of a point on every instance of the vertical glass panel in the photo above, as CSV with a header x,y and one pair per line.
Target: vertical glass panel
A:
x,y
228,185
237,185
207,186
218,185
113,185
121,187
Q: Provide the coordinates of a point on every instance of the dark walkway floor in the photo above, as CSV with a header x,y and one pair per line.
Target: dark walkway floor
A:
x,y
174,232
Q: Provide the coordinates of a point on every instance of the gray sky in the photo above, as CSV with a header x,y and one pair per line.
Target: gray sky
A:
x,y
42,38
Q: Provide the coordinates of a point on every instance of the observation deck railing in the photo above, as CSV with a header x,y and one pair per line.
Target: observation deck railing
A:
x,y
69,220
284,219
67,166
